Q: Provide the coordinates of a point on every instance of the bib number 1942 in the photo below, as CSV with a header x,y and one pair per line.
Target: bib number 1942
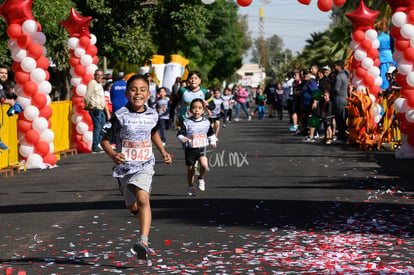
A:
x,y
137,150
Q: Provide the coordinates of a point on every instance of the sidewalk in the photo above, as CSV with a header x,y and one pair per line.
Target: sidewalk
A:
x,y
273,205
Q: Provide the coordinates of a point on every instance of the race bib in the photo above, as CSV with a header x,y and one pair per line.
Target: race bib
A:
x,y
137,150
199,140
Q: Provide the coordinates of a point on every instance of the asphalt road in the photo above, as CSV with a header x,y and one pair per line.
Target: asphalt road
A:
x,y
273,205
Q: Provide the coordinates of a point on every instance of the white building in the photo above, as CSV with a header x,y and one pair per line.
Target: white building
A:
x,y
251,75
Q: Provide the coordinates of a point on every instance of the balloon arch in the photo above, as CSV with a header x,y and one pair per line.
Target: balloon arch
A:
x,y
30,67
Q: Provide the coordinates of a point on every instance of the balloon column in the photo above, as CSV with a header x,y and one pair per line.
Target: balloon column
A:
x,y
83,62
324,5
403,33
30,66
363,109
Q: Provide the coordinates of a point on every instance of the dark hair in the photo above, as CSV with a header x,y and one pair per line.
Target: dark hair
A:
x,y
161,88
197,73
136,77
197,100
340,63
10,84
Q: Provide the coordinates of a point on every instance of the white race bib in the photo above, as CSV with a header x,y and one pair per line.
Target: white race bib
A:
x,y
198,140
137,150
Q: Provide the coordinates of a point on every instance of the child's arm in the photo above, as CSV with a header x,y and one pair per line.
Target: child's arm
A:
x,y
212,139
118,158
155,137
181,135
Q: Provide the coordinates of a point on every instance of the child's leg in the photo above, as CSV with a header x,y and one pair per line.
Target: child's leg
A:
x,y
144,214
217,127
203,166
190,175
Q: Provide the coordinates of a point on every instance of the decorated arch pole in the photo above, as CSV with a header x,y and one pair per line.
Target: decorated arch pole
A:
x,y
83,60
403,33
36,147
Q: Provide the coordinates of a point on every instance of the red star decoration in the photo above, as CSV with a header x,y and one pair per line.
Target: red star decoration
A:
x,y
395,4
16,11
77,25
362,17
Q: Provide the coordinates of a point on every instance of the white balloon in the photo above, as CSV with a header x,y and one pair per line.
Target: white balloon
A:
x,y
18,90
88,137
81,89
82,128
29,26
38,75
19,54
31,112
39,38
407,31
73,43
75,81
28,64
79,52
52,147
371,35
44,51
400,105
91,69
378,81
377,118
24,101
34,161
356,81
410,79
47,135
399,19
405,67
375,44
360,54
40,124
45,87
374,71
72,71
12,45
26,150
86,60
207,2
76,118
367,63
93,39
48,100
361,88
353,45
372,97
409,115
397,56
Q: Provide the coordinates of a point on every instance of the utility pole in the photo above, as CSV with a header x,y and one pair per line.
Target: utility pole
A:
x,y
262,43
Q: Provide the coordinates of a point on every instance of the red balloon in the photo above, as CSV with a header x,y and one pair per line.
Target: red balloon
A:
x,y
21,77
16,66
401,80
39,100
325,5
92,50
304,2
42,148
46,112
244,3
32,136
47,75
24,41
95,60
402,44
49,124
74,61
23,125
30,88
42,62
76,24
373,53
339,3
374,90
358,36
369,81
83,147
366,44
14,31
84,41
77,99
50,158
363,17
410,17
395,32
80,70
16,11
377,62
409,55
361,72
80,108
401,118
87,78
87,119
35,51
409,95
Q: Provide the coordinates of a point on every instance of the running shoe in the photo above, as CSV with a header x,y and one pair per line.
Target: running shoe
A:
x,y
191,191
293,128
140,250
201,184
309,139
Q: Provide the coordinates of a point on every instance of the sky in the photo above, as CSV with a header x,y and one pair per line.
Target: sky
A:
x,y
290,20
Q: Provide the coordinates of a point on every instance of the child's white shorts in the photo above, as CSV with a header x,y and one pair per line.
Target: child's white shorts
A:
x,y
128,184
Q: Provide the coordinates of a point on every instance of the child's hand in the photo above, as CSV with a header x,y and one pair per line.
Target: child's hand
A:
x,y
167,158
185,140
213,145
118,158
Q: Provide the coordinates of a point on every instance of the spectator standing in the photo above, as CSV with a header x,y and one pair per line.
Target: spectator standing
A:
x,y
270,91
279,94
339,98
117,93
260,102
241,94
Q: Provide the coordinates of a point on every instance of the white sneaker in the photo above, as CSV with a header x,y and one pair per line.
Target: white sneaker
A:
x,y
250,118
202,184
191,191
236,119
